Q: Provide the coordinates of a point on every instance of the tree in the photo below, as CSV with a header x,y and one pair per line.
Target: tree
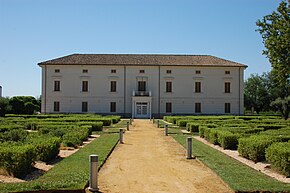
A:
x,y
24,105
283,105
275,31
256,92
4,106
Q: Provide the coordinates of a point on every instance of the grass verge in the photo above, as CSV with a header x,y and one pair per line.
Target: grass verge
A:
x,y
238,176
72,173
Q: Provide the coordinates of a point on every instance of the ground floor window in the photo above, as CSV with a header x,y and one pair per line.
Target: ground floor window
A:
x,y
113,107
84,107
56,106
197,107
227,107
168,107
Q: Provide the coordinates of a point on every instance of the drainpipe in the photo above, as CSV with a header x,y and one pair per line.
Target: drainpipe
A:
x,y
159,92
239,90
45,89
124,90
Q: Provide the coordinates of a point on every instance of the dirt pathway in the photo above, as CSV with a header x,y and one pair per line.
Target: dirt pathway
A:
x,y
149,162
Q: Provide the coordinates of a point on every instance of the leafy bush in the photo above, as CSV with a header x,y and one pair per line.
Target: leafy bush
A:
x,y
192,127
228,140
201,131
46,148
98,126
17,160
13,135
278,155
106,121
182,123
72,140
213,136
270,127
254,147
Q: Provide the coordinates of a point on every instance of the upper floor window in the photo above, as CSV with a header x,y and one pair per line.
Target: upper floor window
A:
x,y
85,70
227,72
85,86
57,70
142,71
113,71
113,86
227,87
197,72
56,85
168,86
197,87
141,85
168,71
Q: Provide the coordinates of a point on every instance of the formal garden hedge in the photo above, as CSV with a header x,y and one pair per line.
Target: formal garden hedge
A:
x,y
25,139
258,138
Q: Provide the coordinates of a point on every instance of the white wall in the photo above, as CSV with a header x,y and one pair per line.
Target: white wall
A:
x,y
183,97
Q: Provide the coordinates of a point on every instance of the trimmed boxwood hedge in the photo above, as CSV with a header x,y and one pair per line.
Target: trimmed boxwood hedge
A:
x,y
98,126
254,147
192,127
228,140
17,160
278,155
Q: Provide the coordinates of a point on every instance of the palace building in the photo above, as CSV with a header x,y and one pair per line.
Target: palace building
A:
x,y
142,85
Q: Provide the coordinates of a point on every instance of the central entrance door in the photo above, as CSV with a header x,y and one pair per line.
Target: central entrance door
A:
x,y
141,110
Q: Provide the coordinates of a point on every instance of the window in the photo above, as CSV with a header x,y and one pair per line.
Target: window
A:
x,y
142,71
227,72
197,72
56,85
57,70
84,107
113,70
113,86
85,70
141,85
197,107
85,86
113,107
168,71
56,106
168,86
227,107
197,87
227,87
168,107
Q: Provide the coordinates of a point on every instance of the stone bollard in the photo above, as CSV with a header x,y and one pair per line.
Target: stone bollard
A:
x,y
93,184
153,120
121,136
131,121
157,123
189,148
166,130
128,126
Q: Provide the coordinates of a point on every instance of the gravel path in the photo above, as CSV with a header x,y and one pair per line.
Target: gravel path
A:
x,y
148,161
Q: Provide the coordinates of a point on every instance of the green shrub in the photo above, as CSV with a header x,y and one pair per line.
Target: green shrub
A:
x,y
201,131
192,127
46,148
213,136
72,140
278,155
271,127
228,140
182,123
254,147
98,126
106,121
206,132
13,135
17,160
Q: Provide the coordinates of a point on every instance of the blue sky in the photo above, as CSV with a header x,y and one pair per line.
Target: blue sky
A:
x,y
32,31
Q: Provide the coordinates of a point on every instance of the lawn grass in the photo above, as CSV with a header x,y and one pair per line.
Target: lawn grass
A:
x,y
72,173
238,176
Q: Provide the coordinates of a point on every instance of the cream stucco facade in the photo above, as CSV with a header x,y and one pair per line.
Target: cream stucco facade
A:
x,y
141,90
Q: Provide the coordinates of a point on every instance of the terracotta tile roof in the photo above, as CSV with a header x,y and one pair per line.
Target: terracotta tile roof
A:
x,y
141,60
